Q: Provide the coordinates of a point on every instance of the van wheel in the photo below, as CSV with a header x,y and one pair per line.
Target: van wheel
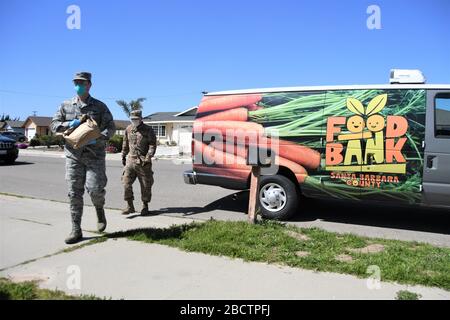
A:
x,y
278,197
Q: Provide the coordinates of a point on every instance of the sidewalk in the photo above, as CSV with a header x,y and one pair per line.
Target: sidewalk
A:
x,y
162,153
31,229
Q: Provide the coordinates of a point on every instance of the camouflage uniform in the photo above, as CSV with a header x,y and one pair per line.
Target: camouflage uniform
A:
x,y
139,146
85,167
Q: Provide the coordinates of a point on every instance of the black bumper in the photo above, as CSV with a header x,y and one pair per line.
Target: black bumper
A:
x,y
11,154
192,177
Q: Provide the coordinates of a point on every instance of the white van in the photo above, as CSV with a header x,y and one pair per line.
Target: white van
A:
x,y
388,143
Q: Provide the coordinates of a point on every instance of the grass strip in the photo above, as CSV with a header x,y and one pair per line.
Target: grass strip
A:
x,y
30,290
272,242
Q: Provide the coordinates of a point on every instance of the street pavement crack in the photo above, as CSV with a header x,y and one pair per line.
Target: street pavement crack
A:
x,y
32,221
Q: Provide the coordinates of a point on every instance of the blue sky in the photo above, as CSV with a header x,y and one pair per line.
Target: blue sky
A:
x,y
169,51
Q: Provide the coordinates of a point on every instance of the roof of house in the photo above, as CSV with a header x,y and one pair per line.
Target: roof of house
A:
x,y
3,124
40,121
16,124
187,115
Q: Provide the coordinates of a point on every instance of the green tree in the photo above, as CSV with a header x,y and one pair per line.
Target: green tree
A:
x,y
7,117
127,107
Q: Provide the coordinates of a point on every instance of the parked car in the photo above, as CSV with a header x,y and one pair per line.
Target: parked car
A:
x,y
386,143
16,136
8,150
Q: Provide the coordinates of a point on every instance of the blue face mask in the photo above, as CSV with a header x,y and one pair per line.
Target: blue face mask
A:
x,y
80,89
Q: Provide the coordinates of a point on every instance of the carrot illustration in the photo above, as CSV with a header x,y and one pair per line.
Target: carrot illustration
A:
x,y
254,107
292,151
302,155
241,153
298,170
241,175
238,114
232,128
228,102
218,158
236,149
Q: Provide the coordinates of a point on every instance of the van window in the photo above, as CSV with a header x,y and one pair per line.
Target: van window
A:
x,y
442,116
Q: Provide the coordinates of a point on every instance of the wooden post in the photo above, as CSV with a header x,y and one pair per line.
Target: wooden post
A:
x,y
253,197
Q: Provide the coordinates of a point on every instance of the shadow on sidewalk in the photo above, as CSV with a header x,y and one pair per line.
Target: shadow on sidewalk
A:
x,y
237,202
154,234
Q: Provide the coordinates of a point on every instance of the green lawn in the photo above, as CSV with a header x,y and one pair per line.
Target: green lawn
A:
x,y
30,291
315,249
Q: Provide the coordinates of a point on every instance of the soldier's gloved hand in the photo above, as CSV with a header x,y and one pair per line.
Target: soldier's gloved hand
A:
x,y
124,161
74,123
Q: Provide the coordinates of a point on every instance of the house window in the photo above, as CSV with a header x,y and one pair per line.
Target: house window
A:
x,y
442,116
160,131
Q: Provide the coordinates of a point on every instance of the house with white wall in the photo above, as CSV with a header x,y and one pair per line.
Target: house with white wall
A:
x,y
173,128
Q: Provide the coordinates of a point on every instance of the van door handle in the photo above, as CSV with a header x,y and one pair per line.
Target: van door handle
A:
x,y
430,162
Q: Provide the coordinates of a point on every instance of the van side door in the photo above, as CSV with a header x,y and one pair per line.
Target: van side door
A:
x,y
436,176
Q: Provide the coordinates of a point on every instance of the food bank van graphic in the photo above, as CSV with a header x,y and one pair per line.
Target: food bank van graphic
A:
x,y
387,143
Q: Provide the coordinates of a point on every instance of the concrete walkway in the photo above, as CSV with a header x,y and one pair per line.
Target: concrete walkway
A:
x,y
162,152
31,229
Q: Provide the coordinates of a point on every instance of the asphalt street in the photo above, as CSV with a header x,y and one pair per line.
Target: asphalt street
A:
x,y
43,177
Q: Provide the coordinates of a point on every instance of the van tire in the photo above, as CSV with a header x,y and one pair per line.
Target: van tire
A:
x,y
285,189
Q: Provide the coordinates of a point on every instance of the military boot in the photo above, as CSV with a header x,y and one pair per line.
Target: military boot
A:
x,y
101,219
144,211
76,235
129,209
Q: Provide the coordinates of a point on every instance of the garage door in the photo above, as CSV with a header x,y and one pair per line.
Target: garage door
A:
x,y
184,138
31,132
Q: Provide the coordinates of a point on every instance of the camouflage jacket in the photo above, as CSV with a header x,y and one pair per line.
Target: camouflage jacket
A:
x,y
139,143
74,109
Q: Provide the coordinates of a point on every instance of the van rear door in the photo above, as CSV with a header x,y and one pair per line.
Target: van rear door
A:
x,y
436,177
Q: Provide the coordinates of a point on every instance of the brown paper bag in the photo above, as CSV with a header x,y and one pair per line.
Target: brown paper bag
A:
x,y
82,134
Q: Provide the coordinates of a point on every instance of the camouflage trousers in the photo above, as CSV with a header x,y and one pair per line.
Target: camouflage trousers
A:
x,y
86,172
133,170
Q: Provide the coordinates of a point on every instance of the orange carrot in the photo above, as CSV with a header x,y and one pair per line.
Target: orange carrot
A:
x,y
250,133
241,153
238,114
236,149
254,107
232,128
228,102
218,158
298,170
235,174
292,151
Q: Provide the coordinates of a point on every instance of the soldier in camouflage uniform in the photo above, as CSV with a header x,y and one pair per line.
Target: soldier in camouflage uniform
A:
x,y
85,167
139,146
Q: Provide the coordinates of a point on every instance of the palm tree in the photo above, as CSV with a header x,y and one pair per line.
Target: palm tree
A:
x,y
127,107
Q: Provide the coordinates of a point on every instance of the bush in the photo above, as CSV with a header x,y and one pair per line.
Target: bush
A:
x,y
49,141
116,141
35,142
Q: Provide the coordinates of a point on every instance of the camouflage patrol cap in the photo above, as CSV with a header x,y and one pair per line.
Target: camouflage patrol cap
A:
x,y
136,114
85,76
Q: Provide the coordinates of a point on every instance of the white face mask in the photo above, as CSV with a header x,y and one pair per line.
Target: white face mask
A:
x,y
136,122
